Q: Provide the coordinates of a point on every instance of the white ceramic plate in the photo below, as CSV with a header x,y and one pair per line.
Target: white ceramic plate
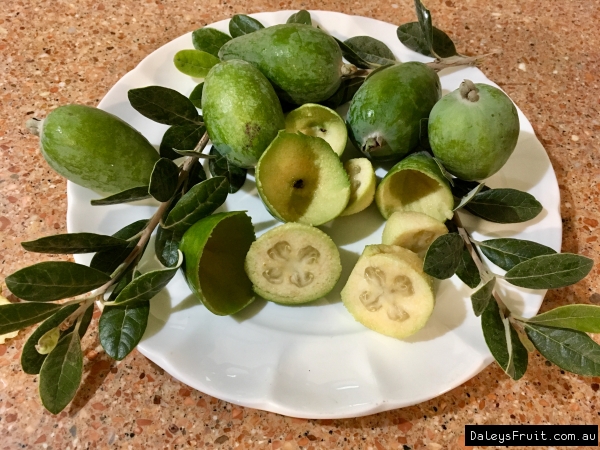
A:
x,y
315,361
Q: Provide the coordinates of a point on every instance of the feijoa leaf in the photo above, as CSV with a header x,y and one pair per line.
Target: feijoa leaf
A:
x,y
354,58
221,167
507,252
584,318
71,243
301,16
195,63
550,271
121,328
470,195
107,261
209,40
411,36
347,89
196,95
241,24
467,270
504,205
164,105
166,246
443,256
16,316
180,137
371,50
163,180
483,296
129,195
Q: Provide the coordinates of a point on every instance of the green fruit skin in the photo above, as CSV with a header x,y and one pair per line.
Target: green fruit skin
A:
x,y
473,140
237,292
302,62
389,107
95,149
241,111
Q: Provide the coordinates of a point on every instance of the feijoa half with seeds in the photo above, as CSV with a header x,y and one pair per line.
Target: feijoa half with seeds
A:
x,y
293,263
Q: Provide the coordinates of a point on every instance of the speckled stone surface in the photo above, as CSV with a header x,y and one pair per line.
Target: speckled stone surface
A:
x,y
57,52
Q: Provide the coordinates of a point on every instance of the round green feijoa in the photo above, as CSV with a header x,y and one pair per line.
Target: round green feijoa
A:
x,y
387,112
301,179
214,251
96,149
241,111
293,263
303,63
474,130
318,120
415,184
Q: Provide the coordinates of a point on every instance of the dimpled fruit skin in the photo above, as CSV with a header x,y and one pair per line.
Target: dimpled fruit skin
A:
x,y
302,62
390,105
241,111
95,149
473,140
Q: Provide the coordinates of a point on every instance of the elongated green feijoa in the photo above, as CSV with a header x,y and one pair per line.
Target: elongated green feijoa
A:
x,y
96,149
241,111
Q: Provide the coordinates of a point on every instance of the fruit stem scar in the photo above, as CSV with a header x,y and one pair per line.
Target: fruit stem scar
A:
x,y
469,91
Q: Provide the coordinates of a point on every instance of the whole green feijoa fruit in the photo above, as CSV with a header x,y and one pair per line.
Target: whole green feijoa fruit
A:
x,y
241,111
96,149
303,63
474,130
389,109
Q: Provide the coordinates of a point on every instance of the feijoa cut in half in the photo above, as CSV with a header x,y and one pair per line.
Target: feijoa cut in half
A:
x,y
214,250
362,185
412,230
318,120
301,179
293,263
388,291
415,184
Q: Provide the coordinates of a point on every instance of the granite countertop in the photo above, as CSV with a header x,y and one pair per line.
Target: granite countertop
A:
x,y
58,52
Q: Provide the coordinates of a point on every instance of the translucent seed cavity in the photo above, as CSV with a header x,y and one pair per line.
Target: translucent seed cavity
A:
x,y
354,169
308,254
397,313
280,251
403,285
301,279
355,185
273,275
375,276
372,304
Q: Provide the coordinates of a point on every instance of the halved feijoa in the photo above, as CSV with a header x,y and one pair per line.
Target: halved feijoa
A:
x,y
301,179
318,120
412,230
214,251
415,184
362,185
388,292
293,263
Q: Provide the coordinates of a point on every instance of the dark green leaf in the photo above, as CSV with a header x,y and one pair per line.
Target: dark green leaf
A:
x,y
550,271
576,317
122,283
163,180
166,246
200,201
467,270
146,286
482,297
209,40
410,35
180,137
344,93
16,316
108,261
196,95
122,327
354,58
73,243
196,175
470,195
460,188
571,350
164,105
424,18
221,167
61,372
31,360
54,280
504,205
194,63
130,195
371,50
301,16
241,24
443,256
507,253
511,356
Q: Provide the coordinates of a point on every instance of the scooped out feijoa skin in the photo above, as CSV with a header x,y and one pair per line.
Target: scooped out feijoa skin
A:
x,y
241,111
474,130
96,149
214,251
293,263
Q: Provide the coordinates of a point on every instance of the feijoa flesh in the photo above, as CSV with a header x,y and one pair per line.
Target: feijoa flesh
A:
x,y
474,130
301,179
318,120
362,185
96,149
293,263
412,230
387,112
241,111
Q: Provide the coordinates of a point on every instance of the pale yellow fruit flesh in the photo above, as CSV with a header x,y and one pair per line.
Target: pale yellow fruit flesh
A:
x,y
362,185
293,263
414,231
388,293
